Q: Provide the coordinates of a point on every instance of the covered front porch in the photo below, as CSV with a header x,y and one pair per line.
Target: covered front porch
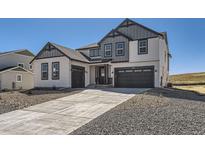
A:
x,y
100,74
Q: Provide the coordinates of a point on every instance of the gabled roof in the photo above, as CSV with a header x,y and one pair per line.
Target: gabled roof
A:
x,y
14,68
71,53
93,45
7,68
20,51
68,52
113,33
127,22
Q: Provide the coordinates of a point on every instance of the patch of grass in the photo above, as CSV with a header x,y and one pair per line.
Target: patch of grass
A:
x,y
197,88
191,78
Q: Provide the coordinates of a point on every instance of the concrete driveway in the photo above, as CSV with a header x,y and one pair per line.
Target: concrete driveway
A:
x,y
62,116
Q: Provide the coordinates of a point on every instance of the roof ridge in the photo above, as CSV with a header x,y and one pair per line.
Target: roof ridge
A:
x,y
145,27
55,44
17,50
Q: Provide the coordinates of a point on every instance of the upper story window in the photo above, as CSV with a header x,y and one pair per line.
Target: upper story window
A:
x,y
30,67
120,48
143,46
21,65
55,71
94,53
108,50
44,71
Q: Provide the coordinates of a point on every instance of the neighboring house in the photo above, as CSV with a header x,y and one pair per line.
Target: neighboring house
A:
x,y
131,55
15,70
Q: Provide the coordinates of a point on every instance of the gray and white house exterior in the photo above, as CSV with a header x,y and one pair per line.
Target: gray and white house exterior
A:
x,y
15,70
131,55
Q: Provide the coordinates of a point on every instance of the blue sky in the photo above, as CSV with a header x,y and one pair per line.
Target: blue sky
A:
x,y
186,36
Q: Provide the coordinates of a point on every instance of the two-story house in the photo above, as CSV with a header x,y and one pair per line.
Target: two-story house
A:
x,y
15,70
131,55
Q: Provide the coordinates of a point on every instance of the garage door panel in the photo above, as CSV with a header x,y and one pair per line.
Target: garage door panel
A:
x,y
78,76
141,77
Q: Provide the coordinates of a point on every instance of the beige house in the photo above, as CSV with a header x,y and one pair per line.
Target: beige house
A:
x,y
131,55
15,70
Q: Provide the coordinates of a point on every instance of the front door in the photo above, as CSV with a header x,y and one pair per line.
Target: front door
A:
x,y
102,75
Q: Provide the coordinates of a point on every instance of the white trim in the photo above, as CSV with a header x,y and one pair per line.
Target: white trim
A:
x,y
17,77
16,71
108,50
30,67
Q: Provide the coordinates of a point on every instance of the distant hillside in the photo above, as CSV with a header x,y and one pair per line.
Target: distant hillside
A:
x,y
190,78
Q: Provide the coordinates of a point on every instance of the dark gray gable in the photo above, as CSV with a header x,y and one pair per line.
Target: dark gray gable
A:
x,y
136,31
114,33
49,51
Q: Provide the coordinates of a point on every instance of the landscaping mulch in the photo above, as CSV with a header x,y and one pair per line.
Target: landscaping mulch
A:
x,y
155,112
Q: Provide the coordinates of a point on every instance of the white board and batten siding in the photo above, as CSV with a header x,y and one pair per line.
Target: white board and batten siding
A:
x,y
65,72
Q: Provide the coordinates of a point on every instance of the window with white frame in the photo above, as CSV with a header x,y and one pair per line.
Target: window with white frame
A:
x,y
30,66
19,78
120,48
108,50
143,46
44,71
21,65
55,71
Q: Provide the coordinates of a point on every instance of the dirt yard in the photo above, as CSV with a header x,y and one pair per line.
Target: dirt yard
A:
x,y
197,88
14,100
187,79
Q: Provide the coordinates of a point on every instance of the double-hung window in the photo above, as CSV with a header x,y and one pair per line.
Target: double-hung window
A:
x,y
108,50
120,48
143,46
55,71
44,71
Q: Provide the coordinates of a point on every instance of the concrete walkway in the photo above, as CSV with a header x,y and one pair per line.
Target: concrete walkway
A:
x,y
62,116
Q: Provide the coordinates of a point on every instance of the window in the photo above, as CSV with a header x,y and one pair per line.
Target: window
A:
x,y
94,53
55,71
44,71
108,50
21,65
143,47
30,66
19,78
120,48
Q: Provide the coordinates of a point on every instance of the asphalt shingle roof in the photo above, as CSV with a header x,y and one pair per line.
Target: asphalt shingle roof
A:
x,y
71,53
93,45
20,51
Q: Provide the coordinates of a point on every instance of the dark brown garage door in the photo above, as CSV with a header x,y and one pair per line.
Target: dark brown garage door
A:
x,y
134,77
78,76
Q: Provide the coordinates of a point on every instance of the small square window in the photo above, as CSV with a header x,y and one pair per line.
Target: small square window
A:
x,y
19,78
21,65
